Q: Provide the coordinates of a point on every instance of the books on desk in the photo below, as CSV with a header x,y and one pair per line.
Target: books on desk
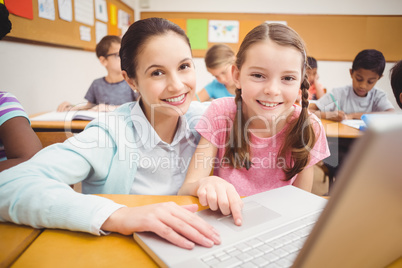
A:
x,y
358,124
67,116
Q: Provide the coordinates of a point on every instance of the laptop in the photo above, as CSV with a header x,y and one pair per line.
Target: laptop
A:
x,y
360,225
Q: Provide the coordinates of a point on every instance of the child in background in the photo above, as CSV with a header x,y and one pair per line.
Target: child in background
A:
x,y
396,82
219,60
258,140
352,101
107,156
18,142
106,93
316,90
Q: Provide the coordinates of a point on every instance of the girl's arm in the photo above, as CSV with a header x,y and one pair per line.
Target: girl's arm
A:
x,y
304,179
19,140
212,191
320,91
202,95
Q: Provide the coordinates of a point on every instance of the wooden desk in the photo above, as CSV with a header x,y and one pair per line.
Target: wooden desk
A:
x,y
338,130
60,248
14,239
69,126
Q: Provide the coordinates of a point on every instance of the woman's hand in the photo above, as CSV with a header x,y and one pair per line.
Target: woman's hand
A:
x,y
177,224
220,194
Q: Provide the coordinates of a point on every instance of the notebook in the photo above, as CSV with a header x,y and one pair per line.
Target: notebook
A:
x,y
68,116
360,225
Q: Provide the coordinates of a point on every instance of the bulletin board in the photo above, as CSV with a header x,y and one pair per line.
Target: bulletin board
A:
x,y
59,32
327,37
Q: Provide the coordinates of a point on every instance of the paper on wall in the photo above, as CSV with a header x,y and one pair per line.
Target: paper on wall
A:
x,y
46,9
84,11
65,10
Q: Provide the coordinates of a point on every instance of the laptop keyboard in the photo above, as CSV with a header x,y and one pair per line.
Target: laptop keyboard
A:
x,y
275,248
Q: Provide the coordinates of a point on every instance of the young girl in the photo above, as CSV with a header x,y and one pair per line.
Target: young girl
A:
x,y
109,156
219,60
258,140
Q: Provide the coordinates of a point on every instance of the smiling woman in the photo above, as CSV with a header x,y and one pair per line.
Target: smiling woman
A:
x,y
165,80
156,60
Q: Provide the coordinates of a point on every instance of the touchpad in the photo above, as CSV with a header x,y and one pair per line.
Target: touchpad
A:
x,y
253,215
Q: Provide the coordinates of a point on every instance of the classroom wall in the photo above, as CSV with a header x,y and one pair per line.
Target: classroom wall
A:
x,y
42,76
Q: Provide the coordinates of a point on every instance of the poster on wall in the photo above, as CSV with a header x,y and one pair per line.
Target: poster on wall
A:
x,y
100,30
65,10
84,11
46,9
223,31
277,21
101,10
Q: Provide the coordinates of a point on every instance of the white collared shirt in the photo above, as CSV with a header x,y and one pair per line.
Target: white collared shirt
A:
x,y
161,167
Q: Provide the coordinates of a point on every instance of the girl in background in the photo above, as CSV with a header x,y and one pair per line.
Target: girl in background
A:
x,y
219,60
259,140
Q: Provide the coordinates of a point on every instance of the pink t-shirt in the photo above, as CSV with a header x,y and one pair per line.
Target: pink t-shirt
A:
x,y
266,171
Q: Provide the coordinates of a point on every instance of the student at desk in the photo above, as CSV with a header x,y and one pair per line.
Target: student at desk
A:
x,y
106,93
352,101
141,148
219,60
18,142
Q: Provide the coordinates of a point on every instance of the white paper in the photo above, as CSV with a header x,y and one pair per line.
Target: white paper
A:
x,y
355,123
223,31
277,21
84,11
101,30
46,9
67,116
85,33
101,10
123,19
65,10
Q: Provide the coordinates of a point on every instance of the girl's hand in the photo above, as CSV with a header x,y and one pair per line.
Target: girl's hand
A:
x,y
220,194
177,224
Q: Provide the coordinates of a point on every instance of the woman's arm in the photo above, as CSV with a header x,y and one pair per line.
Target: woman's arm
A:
x,y
304,179
211,190
19,140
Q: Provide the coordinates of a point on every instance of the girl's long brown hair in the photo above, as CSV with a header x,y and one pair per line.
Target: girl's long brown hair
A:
x,y
300,136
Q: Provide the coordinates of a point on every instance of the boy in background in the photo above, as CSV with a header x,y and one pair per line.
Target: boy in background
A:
x,y
352,101
396,82
106,93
